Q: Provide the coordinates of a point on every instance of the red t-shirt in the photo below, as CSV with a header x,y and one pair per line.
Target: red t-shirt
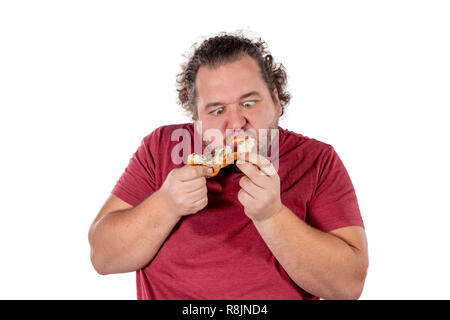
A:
x,y
217,253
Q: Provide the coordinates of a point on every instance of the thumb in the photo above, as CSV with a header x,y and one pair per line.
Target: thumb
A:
x,y
206,171
190,172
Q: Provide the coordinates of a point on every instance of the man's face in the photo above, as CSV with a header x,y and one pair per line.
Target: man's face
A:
x,y
234,96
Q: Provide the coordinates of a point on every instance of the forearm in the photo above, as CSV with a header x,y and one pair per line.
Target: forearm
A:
x,y
319,262
125,241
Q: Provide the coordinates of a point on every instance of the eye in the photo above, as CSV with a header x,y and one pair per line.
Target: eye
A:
x,y
217,111
248,104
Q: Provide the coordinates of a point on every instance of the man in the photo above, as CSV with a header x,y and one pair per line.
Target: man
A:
x,y
251,232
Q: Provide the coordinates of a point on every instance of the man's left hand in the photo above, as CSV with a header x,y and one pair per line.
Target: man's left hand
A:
x,y
260,187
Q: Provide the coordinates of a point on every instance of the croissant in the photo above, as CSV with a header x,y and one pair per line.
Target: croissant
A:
x,y
221,157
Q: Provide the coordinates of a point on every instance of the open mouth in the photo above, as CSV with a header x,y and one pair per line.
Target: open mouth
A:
x,y
243,144
237,141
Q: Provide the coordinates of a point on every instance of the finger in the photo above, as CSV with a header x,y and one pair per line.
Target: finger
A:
x,y
193,185
244,198
189,172
252,189
260,161
253,173
200,204
198,194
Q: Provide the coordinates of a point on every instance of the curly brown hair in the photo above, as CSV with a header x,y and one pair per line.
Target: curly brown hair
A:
x,y
225,48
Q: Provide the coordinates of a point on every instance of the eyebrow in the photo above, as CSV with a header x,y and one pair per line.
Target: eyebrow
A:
x,y
251,93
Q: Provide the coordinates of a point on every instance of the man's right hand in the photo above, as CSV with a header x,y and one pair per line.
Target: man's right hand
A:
x,y
184,190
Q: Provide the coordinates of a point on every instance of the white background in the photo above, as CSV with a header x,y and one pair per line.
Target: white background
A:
x,y
82,82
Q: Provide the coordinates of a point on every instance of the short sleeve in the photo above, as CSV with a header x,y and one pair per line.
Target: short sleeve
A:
x,y
334,204
138,181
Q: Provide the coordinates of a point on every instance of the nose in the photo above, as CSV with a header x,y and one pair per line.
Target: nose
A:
x,y
236,118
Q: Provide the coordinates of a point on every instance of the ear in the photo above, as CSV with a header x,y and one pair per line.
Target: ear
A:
x,y
277,102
